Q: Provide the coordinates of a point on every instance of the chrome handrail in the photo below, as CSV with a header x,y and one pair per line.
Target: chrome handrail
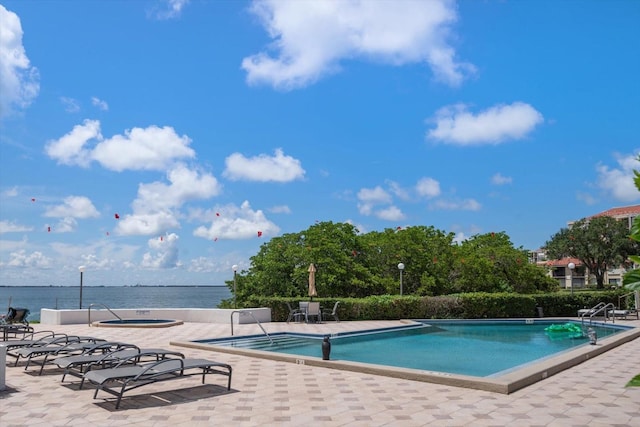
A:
x,y
254,318
102,305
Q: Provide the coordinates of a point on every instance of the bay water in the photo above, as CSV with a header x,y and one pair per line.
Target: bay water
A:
x,y
68,297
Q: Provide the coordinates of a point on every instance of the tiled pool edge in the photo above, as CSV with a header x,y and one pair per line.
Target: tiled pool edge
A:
x,y
504,384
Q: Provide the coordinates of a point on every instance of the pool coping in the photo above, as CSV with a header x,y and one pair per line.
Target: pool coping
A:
x,y
506,383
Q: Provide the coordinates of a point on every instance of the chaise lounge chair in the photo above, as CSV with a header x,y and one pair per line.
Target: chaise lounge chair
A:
x,y
107,355
63,345
124,377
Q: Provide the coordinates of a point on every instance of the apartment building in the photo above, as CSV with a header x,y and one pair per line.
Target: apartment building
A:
x,y
570,272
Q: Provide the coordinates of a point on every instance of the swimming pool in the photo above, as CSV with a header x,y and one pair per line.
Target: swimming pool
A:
x,y
497,355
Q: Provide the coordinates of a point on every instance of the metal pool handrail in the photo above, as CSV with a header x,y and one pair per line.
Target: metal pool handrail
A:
x,y
102,305
254,318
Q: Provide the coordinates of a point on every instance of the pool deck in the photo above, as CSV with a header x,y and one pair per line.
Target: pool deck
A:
x,y
271,392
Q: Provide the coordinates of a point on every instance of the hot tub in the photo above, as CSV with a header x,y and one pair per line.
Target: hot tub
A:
x,y
137,323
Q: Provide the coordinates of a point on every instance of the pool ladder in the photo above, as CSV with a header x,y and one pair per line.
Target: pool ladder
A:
x,y
599,309
104,306
250,313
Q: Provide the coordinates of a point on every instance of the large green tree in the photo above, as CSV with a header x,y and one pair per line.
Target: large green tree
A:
x,y
600,243
631,279
490,263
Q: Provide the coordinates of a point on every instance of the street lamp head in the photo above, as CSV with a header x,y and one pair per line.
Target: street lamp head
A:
x,y
571,266
234,267
401,266
81,268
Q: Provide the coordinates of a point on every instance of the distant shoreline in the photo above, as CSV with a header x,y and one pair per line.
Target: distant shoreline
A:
x,y
113,286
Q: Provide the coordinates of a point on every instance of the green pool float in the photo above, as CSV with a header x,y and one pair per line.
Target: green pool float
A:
x,y
564,331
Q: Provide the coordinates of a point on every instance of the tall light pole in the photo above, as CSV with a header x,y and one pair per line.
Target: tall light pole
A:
x,y
401,268
81,268
234,267
571,267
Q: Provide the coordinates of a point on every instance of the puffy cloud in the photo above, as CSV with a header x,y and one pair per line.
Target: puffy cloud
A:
x,y
619,182
499,179
391,213
70,149
237,223
12,227
165,253
428,187
19,80
29,260
312,37
73,207
370,197
184,185
151,148
456,125
263,168
146,224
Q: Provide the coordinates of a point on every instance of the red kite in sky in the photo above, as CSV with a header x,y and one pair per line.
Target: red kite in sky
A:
x,y
259,233
117,216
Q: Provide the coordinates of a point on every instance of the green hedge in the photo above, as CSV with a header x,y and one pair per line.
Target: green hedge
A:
x,y
477,305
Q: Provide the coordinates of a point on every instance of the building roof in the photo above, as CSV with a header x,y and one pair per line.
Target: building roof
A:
x,y
621,212
564,262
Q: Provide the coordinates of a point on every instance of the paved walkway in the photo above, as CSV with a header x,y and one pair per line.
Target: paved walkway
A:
x,y
266,392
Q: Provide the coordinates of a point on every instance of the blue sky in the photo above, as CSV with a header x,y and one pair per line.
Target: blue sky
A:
x,y
209,127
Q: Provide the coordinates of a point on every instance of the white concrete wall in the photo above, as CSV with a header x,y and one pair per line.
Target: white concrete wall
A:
x,y
197,315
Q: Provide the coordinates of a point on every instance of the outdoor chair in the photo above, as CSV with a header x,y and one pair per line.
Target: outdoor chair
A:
x,y
331,313
16,315
40,354
294,314
124,376
313,312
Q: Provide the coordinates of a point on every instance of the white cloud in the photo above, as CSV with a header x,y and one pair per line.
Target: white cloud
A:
x,y
29,260
73,207
19,81
370,197
456,125
398,191
499,179
169,9
310,38
66,225
153,209
283,209
10,192
70,105
146,224
263,168
70,149
391,213
238,223
12,227
620,182
428,187
184,185
165,252
100,104
151,148
457,205
375,195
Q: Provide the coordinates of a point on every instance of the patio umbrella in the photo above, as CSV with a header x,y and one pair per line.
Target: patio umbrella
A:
x,y
312,281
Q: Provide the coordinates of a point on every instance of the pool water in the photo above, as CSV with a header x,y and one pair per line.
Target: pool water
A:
x,y
477,348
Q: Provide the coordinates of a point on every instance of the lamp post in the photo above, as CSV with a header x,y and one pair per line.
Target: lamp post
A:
x,y
234,267
571,267
81,268
401,268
